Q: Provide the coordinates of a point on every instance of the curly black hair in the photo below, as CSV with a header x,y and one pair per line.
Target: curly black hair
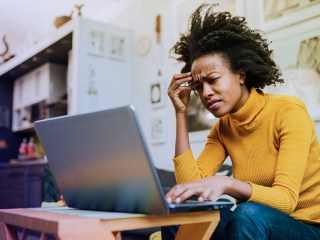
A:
x,y
241,47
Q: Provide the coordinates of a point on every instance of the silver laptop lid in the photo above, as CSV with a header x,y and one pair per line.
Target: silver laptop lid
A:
x,y
100,162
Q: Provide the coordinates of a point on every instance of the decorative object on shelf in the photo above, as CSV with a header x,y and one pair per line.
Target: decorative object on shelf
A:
x,y
158,29
61,20
28,150
79,7
159,47
158,129
5,55
157,92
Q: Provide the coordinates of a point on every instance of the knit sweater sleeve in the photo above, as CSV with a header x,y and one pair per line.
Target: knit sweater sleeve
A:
x,y
188,169
294,135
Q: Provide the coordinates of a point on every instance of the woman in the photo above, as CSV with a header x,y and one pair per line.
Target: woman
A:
x,y
270,139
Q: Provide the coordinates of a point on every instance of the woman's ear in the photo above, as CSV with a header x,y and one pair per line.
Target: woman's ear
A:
x,y
242,76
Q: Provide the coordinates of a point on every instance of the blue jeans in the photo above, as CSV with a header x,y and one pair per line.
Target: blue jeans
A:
x,y
256,221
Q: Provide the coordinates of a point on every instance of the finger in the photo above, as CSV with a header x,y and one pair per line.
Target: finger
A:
x,y
179,77
214,195
176,89
182,75
205,195
181,84
175,192
181,192
186,194
176,77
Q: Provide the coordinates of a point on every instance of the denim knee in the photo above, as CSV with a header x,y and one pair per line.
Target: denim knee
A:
x,y
249,210
247,222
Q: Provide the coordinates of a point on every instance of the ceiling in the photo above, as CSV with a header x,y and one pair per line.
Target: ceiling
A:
x,y
26,20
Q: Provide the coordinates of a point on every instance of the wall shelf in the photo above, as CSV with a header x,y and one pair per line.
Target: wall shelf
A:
x,y
53,49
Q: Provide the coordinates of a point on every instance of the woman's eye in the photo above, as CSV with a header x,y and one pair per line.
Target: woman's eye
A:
x,y
198,87
212,80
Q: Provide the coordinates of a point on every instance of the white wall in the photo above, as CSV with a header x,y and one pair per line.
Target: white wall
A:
x,y
141,18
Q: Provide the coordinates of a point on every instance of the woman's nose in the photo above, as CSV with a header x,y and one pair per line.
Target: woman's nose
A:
x,y
207,90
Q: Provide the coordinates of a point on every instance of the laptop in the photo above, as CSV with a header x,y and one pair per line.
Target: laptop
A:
x,y
100,161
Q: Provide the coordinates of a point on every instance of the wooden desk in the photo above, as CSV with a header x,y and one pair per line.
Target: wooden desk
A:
x,y
85,226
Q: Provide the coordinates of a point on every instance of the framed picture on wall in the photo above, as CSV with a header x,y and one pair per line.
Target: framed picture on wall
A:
x,y
302,74
157,94
117,47
158,126
275,14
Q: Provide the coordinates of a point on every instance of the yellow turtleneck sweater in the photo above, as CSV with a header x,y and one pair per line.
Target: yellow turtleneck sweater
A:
x,y
273,146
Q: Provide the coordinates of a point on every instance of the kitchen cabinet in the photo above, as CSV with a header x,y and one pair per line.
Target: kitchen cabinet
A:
x,y
38,88
92,58
21,185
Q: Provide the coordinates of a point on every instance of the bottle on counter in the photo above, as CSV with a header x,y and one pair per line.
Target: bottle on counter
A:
x,y
31,149
23,149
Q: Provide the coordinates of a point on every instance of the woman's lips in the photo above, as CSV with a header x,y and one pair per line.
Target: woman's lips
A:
x,y
214,104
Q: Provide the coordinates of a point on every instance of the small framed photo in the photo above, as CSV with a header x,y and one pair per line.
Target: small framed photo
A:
x,y
158,126
97,43
157,94
117,47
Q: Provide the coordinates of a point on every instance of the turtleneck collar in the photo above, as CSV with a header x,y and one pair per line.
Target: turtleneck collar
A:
x,y
250,108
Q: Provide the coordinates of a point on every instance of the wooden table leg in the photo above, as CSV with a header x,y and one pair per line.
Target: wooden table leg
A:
x,y
43,236
117,235
8,232
24,234
199,231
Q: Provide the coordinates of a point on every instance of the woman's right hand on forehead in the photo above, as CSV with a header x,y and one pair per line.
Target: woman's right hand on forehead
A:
x,y
179,91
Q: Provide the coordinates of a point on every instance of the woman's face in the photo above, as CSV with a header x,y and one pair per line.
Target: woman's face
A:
x,y
220,90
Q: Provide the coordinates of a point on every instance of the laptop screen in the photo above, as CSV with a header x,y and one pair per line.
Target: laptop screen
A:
x,y
100,162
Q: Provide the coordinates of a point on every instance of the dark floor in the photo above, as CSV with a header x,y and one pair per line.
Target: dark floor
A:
x,y
142,234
